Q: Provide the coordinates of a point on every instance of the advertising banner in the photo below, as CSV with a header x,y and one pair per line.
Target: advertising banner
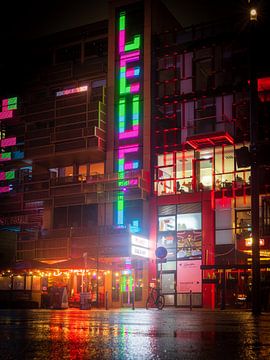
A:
x,y
189,276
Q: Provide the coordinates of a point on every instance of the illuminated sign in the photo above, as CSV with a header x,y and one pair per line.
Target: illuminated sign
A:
x,y
9,175
72,91
8,105
4,189
8,142
136,240
139,251
140,246
189,276
5,156
248,242
128,109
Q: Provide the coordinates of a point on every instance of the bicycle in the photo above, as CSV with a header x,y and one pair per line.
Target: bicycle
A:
x,y
155,299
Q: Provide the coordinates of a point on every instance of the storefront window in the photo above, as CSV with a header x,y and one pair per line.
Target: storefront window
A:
x,y
166,223
189,221
18,282
5,283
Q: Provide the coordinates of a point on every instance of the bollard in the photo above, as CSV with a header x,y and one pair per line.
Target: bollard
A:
x,y
133,300
106,300
190,300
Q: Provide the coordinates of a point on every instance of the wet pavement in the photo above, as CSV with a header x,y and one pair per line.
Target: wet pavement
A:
x,y
133,334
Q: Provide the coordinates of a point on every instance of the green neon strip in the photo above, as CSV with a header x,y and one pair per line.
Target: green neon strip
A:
x,y
122,21
10,175
6,155
135,110
122,115
134,45
12,103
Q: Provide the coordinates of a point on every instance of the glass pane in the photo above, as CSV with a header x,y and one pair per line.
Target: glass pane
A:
x,y
166,223
228,159
189,221
218,160
97,168
165,159
168,283
204,172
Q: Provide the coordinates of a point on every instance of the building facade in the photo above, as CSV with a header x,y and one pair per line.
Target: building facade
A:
x,y
129,136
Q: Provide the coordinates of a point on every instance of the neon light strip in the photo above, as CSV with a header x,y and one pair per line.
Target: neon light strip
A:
x,y
72,91
8,142
8,105
129,70
9,175
5,156
4,189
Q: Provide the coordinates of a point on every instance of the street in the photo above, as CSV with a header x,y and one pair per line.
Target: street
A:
x,y
133,334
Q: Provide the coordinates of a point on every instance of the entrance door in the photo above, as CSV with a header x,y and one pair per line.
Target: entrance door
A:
x,y
168,287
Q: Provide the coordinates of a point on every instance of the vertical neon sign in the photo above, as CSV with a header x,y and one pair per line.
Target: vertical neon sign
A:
x,y
128,113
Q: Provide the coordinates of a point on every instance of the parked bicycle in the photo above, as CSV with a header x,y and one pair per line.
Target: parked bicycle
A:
x,y
155,299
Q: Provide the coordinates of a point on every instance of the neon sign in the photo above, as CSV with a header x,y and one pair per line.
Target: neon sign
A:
x,y
128,112
9,175
5,156
8,105
8,142
72,91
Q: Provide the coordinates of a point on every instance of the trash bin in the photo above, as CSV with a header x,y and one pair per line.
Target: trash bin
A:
x,y
85,301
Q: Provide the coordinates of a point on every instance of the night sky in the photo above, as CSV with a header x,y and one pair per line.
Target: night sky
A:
x,y
24,20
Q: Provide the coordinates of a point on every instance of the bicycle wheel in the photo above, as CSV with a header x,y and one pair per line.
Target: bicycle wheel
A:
x,y
160,302
150,303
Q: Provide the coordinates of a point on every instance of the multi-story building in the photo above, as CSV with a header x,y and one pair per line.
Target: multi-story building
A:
x,y
122,140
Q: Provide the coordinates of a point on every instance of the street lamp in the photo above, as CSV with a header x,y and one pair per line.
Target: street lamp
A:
x,y
255,212
253,14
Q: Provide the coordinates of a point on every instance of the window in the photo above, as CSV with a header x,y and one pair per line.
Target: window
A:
x,y
166,223
96,48
189,221
70,53
97,168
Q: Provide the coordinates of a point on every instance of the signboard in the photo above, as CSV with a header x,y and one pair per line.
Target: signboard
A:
x,y
139,246
139,241
189,276
139,251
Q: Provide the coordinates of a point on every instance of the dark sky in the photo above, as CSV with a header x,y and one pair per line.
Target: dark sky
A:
x,y
28,19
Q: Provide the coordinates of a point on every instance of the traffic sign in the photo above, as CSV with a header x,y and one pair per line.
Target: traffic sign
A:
x,y
161,252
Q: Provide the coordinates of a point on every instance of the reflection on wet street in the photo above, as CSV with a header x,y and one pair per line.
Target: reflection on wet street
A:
x,y
139,334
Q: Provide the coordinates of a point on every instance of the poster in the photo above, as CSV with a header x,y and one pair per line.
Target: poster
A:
x,y
189,245
189,276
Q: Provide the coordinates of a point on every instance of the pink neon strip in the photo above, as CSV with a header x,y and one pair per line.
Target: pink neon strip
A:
x,y
130,133
122,39
133,182
123,62
130,73
126,150
134,88
2,176
5,103
6,114
4,189
8,142
128,165
131,54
